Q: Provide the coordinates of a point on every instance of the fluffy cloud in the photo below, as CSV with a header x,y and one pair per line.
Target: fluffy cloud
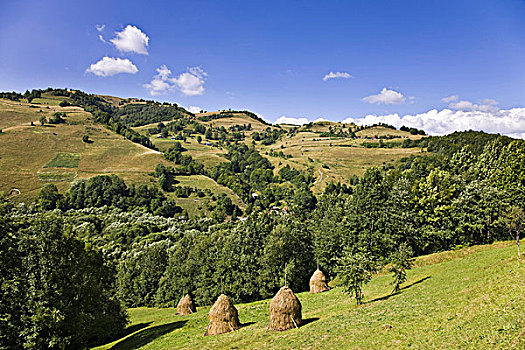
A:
x,y
131,39
109,66
337,75
189,83
386,96
451,98
194,109
485,105
291,120
160,84
100,27
509,122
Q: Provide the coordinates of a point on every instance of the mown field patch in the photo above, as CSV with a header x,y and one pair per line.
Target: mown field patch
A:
x,y
64,160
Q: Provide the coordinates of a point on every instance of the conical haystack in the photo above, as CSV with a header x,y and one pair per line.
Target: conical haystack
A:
x,y
318,282
285,311
186,306
223,317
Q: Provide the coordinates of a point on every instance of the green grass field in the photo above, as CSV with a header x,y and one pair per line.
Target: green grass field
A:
x,y
64,160
472,298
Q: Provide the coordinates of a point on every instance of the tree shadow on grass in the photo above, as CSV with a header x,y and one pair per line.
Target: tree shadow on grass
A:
x,y
146,336
306,321
246,324
399,292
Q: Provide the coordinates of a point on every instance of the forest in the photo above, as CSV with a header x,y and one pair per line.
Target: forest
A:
x,y
71,263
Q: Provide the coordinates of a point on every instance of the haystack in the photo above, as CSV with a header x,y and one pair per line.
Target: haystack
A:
x,y
285,311
186,306
223,317
318,282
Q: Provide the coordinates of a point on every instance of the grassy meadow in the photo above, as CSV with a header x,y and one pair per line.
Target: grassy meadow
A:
x,y
33,155
30,156
473,298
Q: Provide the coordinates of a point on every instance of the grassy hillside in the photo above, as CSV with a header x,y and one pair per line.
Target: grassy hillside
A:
x,y
471,298
31,156
337,158
331,158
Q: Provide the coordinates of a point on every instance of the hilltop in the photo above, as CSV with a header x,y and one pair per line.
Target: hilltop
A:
x,y
466,299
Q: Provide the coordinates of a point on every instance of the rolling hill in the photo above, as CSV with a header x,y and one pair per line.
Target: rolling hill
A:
x,y
33,154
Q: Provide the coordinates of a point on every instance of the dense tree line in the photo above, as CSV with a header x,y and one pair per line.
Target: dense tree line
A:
x,y
138,114
111,191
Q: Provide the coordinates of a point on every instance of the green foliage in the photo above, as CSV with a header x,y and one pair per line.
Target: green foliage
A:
x,y
147,113
56,292
58,118
49,198
111,191
399,265
355,271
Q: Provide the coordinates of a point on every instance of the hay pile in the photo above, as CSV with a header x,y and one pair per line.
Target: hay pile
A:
x,y
318,282
186,306
223,317
285,311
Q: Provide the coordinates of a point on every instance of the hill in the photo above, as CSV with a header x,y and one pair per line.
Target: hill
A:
x,y
34,154
31,156
466,299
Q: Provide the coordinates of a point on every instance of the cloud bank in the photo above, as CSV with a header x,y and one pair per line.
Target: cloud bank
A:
x,y
109,66
189,83
131,39
386,96
291,120
337,75
509,122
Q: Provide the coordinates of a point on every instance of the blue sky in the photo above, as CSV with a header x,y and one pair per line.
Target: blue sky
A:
x,y
391,61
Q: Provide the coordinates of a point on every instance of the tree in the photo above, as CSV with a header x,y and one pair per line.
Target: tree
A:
x,y
49,198
515,222
354,271
42,120
400,263
57,291
199,138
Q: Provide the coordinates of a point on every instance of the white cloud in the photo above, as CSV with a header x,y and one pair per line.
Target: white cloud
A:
x,y
194,109
451,98
190,83
100,27
337,75
131,39
102,39
291,120
486,105
386,96
509,122
109,66
160,83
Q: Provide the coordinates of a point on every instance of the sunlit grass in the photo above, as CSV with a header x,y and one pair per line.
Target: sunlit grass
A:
x,y
472,298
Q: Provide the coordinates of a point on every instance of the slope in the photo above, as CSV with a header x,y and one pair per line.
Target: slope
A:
x,y
467,299
32,154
